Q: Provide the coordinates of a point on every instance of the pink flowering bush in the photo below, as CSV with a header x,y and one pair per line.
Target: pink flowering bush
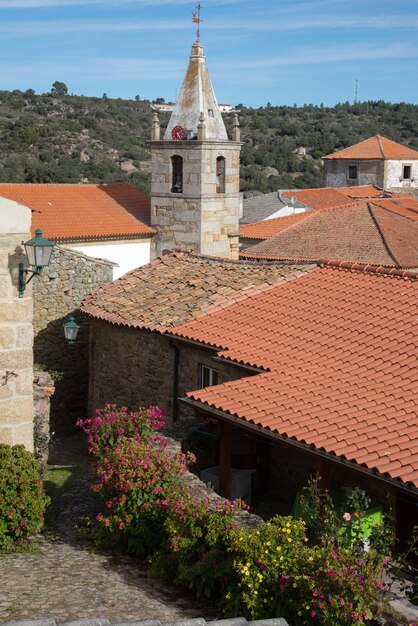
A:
x,y
110,423
268,571
137,476
138,480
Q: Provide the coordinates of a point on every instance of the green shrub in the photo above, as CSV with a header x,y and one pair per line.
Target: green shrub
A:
x,y
257,572
22,499
277,573
195,554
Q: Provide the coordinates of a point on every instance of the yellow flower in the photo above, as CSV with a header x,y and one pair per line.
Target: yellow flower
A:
x,y
289,539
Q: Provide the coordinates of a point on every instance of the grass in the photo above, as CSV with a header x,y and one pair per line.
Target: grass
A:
x,y
59,479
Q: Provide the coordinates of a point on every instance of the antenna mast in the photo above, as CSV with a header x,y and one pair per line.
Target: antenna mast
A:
x,y
197,20
356,91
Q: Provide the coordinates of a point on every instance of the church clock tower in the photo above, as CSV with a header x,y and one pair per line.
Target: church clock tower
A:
x,y
195,171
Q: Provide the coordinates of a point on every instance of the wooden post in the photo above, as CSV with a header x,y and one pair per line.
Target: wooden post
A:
x,y
325,471
225,460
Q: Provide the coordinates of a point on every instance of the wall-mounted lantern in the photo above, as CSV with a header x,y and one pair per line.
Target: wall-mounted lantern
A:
x,y
71,329
38,251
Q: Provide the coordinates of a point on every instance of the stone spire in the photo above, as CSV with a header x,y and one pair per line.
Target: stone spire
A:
x,y
196,97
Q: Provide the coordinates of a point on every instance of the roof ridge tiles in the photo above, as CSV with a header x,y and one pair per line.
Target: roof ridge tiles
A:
x,y
379,141
381,233
366,267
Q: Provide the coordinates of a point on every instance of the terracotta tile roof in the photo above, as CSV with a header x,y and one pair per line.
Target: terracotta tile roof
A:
x,y
271,227
360,233
178,287
402,205
363,191
84,212
321,198
340,344
376,147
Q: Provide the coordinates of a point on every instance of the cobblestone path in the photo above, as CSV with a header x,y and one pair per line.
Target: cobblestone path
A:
x,y
65,580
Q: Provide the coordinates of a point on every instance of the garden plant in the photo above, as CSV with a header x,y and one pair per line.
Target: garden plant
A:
x,y
22,498
282,567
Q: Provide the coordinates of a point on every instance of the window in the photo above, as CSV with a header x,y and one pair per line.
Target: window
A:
x,y
406,172
210,113
208,376
177,174
352,172
220,175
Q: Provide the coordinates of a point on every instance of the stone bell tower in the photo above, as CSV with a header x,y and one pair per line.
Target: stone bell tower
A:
x,y
195,171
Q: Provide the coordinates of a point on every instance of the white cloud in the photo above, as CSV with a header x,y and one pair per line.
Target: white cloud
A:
x,y
39,28
39,4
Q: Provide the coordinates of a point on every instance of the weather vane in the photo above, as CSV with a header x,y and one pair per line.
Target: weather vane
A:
x,y
196,20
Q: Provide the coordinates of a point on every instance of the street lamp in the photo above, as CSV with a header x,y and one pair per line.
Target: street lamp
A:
x,y
38,251
71,329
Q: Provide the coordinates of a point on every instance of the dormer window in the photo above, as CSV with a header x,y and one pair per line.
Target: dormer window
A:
x,y
176,174
220,175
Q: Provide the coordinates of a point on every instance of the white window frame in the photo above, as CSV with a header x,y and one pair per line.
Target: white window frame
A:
x,y
212,375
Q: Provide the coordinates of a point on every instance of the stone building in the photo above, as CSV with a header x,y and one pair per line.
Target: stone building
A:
x,y
59,291
133,362
195,198
377,161
16,330
297,367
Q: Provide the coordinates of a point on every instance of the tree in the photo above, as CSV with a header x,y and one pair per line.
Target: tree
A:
x,y
137,98
59,88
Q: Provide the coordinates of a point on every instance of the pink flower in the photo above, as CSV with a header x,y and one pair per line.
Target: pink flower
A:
x,y
347,517
313,613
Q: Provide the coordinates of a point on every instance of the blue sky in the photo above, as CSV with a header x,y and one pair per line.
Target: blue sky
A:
x,y
258,51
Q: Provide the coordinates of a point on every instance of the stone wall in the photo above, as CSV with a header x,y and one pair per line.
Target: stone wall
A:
x,y
43,389
58,293
199,218
134,367
370,172
129,367
16,331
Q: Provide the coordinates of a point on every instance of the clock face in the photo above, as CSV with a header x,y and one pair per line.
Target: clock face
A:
x,y
178,133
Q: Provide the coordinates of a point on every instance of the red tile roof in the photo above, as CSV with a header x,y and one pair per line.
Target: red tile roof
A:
x,y
178,287
360,233
340,344
84,212
321,198
270,227
376,147
363,191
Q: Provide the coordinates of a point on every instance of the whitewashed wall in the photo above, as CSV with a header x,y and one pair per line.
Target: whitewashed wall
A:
x,y
127,255
393,175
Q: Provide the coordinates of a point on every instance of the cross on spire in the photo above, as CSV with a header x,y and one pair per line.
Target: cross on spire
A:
x,y
197,20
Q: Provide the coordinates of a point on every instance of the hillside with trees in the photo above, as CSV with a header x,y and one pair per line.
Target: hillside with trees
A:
x,y
57,137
